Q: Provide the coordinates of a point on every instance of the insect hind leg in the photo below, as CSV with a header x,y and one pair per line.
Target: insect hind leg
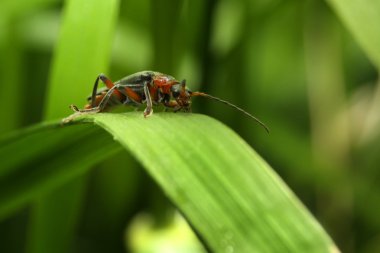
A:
x,y
102,103
93,105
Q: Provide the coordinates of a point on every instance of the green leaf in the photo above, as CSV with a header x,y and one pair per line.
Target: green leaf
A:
x,y
81,54
362,18
229,194
38,159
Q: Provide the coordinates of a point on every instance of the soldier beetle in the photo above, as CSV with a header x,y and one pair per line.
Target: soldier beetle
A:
x,y
149,87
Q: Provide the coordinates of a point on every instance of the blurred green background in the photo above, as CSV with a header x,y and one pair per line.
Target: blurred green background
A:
x,y
310,76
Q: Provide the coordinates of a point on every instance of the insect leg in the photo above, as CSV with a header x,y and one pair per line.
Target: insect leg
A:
x,y
149,105
109,85
107,97
94,91
102,103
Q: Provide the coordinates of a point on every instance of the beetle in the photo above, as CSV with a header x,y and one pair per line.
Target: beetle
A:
x,y
149,87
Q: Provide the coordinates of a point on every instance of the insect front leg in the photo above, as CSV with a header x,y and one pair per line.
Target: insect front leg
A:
x,y
149,104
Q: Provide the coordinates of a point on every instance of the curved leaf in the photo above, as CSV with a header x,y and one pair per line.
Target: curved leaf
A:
x,y
228,193
39,159
362,18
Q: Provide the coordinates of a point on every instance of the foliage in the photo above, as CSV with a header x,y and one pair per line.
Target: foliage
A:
x,y
220,194
308,69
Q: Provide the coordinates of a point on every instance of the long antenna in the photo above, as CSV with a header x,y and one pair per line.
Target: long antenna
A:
x,y
201,94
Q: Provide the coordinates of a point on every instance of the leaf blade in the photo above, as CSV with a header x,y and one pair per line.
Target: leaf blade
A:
x,y
229,194
54,159
217,184
362,19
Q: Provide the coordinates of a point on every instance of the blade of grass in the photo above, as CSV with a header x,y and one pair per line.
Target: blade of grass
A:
x,y
81,54
13,98
231,197
56,157
228,193
362,18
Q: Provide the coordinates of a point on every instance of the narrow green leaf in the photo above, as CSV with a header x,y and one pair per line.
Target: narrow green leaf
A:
x,y
81,54
38,159
362,18
230,195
